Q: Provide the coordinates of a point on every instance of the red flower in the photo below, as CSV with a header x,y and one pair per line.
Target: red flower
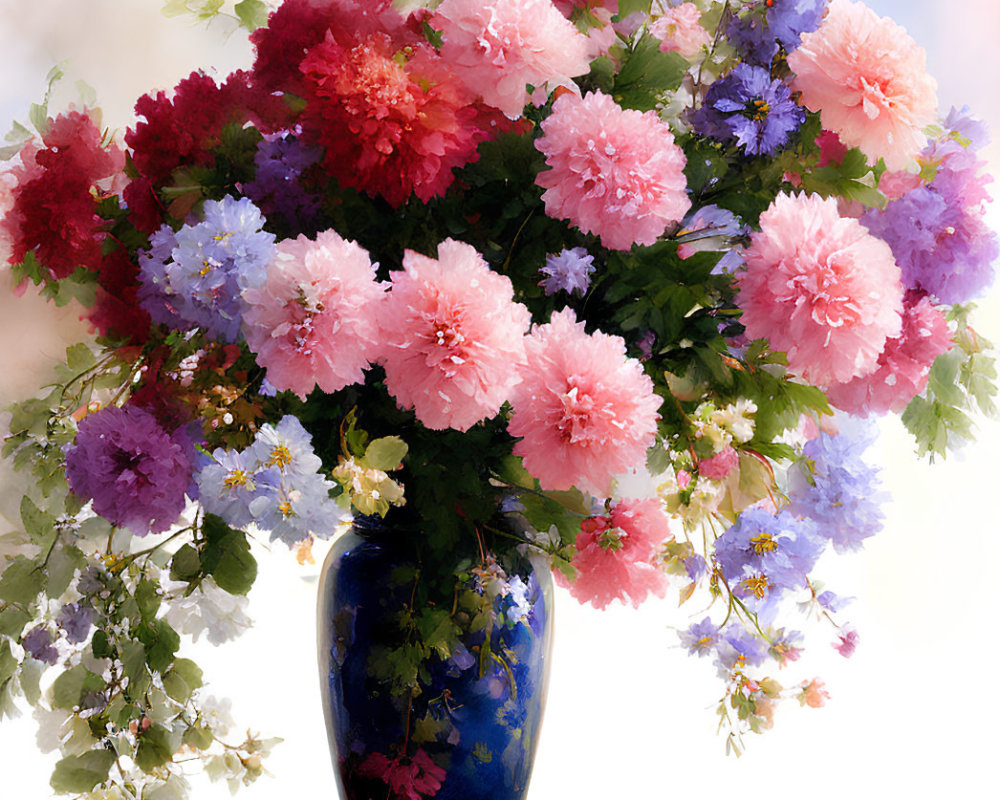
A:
x,y
53,214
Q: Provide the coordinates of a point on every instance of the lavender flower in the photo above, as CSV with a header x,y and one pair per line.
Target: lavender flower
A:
x,y
758,35
747,106
38,644
936,231
231,482
763,554
193,278
568,271
76,621
842,496
701,638
134,471
738,646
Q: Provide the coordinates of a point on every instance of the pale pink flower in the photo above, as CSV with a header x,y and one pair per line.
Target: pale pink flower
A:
x,y
613,554
868,80
585,410
453,337
720,465
314,321
615,172
679,30
821,288
903,366
847,642
498,47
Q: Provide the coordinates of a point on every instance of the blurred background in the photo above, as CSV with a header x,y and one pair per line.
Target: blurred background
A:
x,y
629,714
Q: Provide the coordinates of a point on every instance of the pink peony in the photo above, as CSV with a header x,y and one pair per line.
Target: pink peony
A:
x,y
613,554
720,465
585,411
679,30
498,47
615,173
314,322
868,79
903,366
453,337
821,288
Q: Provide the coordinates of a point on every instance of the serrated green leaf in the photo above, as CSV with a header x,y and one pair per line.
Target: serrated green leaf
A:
x,y
8,664
647,73
30,677
252,14
385,454
38,524
161,643
176,687
76,774
236,569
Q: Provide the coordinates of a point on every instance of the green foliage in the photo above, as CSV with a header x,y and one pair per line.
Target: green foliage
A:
x,y
252,13
961,383
75,774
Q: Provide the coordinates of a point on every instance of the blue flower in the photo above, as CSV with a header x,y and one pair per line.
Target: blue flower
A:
x,y
764,554
701,638
747,106
194,278
230,482
842,495
758,35
568,271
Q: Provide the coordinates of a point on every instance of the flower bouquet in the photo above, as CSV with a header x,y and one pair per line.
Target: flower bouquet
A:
x,y
607,288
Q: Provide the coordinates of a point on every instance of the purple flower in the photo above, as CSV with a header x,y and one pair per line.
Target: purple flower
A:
x,y
747,106
936,231
740,646
758,34
842,495
134,471
281,159
38,644
701,637
568,271
76,621
193,278
696,567
763,553
230,482
832,602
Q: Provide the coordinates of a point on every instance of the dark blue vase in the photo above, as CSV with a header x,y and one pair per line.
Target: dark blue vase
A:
x,y
431,695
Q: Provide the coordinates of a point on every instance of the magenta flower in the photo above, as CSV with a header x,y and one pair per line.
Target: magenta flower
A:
x,y
135,472
613,172
614,554
410,778
314,321
453,337
586,412
821,288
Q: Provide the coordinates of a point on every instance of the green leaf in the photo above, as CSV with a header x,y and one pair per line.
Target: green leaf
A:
x,y
176,687
385,454
198,737
161,643
8,664
189,671
133,657
227,556
252,13
155,748
647,74
76,774
21,581
148,599
100,646
38,524
12,621
72,685
63,563
30,678
186,564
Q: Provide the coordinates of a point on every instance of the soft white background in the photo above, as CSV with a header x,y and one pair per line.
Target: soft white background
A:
x,y
630,715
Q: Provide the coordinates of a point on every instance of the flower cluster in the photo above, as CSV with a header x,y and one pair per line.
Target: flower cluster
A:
x,y
496,283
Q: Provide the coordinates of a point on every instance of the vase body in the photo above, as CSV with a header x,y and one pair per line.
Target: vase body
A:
x,y
453,714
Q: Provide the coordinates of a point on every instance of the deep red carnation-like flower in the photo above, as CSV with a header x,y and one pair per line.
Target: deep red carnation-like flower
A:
x,y
391,126
53,213
117,313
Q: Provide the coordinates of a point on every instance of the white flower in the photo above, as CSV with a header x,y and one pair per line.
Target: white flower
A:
x,y
207,608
